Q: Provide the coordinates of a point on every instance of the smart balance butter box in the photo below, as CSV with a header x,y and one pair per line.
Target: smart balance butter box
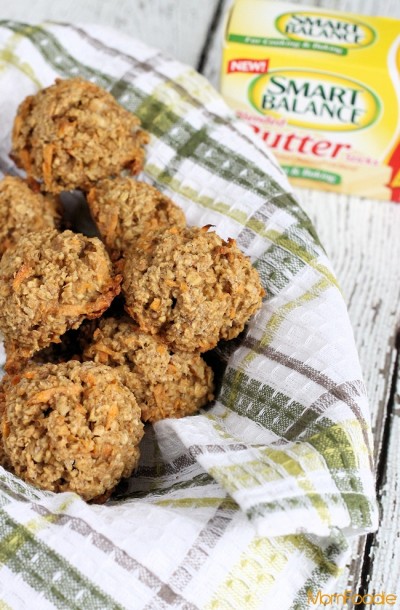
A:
x,y
322,89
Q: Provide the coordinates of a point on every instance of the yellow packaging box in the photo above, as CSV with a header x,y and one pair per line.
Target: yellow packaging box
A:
x,y
322,89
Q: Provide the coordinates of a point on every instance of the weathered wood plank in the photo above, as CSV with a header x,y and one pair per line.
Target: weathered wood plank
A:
x,y
176,27
360,237
385,551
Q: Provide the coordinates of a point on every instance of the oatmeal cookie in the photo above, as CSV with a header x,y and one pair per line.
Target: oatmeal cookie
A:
x,y
124,210
165,383
192,288
71,427
72,134
23,211
49,283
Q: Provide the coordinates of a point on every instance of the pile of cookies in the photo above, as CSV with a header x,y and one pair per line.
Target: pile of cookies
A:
x,y
102,335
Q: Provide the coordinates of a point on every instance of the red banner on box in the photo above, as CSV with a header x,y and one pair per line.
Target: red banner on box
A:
x,y
248,66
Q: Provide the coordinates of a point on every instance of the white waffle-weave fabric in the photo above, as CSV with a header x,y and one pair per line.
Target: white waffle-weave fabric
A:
x,y
250,503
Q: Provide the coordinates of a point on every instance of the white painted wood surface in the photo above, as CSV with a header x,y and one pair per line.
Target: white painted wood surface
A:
x,y
360,236
177,27
384,574
361,239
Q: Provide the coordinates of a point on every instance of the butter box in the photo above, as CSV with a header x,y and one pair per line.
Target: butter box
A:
x,y
322,89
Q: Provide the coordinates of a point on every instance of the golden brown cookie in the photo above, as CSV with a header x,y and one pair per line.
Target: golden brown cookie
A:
x,y
23,211
192,288
124,210
165,383
49,283
71,427
72,134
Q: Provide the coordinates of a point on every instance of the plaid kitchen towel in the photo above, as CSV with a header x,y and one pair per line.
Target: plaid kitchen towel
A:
x,y
249,504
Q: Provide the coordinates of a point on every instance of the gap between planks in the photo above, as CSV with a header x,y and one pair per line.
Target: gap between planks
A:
x,y
370,567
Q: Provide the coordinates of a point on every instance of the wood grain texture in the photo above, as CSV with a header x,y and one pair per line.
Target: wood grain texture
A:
x,y
361,239
177,27
385,550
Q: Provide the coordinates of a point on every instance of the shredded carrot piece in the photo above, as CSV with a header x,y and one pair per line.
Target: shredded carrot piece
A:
x,y
26,160
155,305
5,428
89,378
47,160
47,395
111,415
23,272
